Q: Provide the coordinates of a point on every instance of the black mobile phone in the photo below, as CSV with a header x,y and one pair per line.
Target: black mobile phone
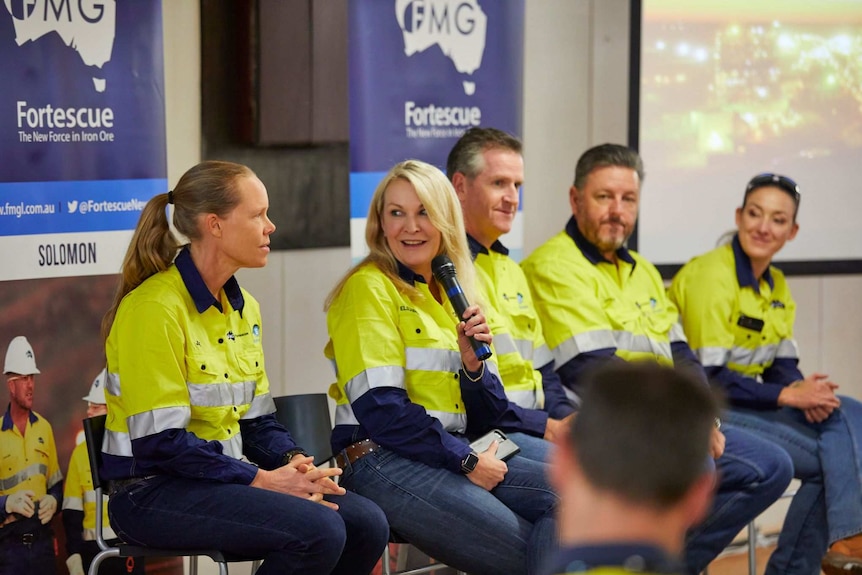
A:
x,y
506,448
751,323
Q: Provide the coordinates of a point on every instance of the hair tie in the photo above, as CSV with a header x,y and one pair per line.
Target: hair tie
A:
x,y
171,197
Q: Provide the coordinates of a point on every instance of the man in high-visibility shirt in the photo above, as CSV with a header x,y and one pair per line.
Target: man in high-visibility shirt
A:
x,y
600,302
486,169
31,483
79,504
629,491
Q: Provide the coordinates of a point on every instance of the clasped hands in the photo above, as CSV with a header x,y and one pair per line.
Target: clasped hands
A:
x,y
24,503
301,478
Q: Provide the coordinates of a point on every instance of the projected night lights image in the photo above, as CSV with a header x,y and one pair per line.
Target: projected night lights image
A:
x,y
730,89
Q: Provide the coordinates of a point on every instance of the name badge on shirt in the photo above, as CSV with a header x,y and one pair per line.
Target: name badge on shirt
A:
x,y
751,323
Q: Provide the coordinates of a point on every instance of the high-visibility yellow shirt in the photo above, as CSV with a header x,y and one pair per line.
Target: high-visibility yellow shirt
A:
x,y
80,495
29,461
740,327
588,304
178,362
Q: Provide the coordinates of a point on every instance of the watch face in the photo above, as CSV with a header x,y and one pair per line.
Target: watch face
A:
x,y
469,463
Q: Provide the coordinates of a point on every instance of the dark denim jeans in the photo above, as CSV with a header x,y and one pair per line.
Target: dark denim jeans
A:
x,y
827,459
752,474
291,535
507,531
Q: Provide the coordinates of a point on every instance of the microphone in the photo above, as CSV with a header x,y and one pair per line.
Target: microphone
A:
x,y
444,270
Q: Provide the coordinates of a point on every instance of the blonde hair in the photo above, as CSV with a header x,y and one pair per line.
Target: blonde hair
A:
x,y
444,210
207,188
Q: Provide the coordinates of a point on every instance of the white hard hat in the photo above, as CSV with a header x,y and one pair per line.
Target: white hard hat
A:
x,y
19,357
97,390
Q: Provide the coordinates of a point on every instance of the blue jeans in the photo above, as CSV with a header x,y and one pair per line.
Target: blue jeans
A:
x,y
507,531
19,558
752,474
292,535
532,447
827,459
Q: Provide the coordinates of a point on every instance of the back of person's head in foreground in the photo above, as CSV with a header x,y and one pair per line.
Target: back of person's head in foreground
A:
x,y
437,197
635,464
210,187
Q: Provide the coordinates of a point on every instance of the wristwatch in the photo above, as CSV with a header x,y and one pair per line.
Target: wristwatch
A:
x,y
468,464
291,454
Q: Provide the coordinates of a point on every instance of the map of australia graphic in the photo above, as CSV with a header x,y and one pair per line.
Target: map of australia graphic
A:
x,y
88,28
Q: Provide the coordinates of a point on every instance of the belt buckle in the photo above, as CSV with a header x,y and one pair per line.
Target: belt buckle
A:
x,y
28,538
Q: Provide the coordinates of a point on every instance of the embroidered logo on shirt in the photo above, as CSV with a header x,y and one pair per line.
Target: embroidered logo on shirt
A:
x,y
777,304
231,336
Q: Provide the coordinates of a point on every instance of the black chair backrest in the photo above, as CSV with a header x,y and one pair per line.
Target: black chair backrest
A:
x,y
94,433
307,418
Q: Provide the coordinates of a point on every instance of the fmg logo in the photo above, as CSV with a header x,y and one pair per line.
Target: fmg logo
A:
x,y
439,17
90,11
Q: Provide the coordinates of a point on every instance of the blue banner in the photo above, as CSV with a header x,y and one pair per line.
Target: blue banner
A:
x,y
82,125
421,73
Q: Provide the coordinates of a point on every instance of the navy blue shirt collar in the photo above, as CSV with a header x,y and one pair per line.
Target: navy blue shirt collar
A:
x,y
7,418
198,289
476,248
635,557
590,251
744,272
409,275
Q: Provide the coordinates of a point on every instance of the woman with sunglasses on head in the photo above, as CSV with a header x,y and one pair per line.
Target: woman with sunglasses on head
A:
x,y
738,314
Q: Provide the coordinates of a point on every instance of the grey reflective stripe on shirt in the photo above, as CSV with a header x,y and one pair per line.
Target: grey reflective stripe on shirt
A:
x,y
525,398
432,359
55,478
260,405
74,503
542,356
89,497
344,415
713,356
504,343
32,470
157,420
233,446
112,384
117,443
757,356
494,368
452,422
787,348
583,343
639,343
374,377
676,333
221,394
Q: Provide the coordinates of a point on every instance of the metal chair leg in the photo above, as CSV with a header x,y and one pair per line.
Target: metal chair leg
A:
x,y
752,548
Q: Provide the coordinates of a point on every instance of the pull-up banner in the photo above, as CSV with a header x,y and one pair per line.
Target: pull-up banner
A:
x,y
421,73
82,132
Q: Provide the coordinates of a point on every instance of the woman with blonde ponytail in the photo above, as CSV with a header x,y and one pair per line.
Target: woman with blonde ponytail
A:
x,y
194,453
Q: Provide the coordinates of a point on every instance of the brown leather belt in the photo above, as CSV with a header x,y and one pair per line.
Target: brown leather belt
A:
x,y
355,451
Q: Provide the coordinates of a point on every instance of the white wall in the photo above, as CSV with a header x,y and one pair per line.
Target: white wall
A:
x,y
576,90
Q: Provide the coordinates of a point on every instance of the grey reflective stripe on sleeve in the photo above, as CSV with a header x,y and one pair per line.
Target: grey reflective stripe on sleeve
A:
x,y
713,356
117,443
112,384
32,470
260,405
582,343
373,377
525,398
157,420
344,415
676,333
757,356
639,343
73,503
525,348
55,478
431,359
542,356
89,534
451,422
233,446
90,496
787,348
504,343
221,394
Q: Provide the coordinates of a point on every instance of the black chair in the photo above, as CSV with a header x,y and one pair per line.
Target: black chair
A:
x,y
94,432
307,418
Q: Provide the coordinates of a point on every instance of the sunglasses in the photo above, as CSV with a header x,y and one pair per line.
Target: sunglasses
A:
x,y
781,182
